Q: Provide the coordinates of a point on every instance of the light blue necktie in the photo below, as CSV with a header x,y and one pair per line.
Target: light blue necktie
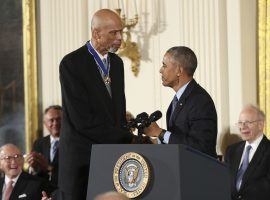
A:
x,y
243,168
54,148
174,102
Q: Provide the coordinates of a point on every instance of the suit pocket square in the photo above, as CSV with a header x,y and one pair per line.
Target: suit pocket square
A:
x,y
22,196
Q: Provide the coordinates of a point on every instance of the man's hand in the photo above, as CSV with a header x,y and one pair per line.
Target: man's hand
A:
x,y
37,161
153,130
45,196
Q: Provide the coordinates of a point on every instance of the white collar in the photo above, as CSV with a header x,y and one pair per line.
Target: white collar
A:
x,y
181,90
7,179
254,145
101,56
52,139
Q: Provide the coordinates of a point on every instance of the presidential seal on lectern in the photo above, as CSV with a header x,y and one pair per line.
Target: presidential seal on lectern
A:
x,y
131,174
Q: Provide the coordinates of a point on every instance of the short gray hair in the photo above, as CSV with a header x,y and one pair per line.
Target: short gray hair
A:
x,y
185,57
260,113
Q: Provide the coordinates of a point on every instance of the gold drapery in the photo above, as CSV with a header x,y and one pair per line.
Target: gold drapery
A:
x,y
30,73
264,59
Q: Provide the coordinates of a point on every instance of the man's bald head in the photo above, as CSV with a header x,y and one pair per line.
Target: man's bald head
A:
x,y
106,28
103,17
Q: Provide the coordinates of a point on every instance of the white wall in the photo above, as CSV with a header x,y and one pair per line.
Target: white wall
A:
x,y
221,33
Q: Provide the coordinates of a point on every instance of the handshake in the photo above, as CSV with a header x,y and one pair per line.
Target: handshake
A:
x,y
142,122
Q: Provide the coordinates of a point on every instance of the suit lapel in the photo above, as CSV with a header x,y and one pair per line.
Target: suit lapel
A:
x,y
116,84
47,147
1,186
258,156
168,114
19,187
182,101
237,160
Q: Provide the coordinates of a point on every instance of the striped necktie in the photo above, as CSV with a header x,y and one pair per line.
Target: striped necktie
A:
x,y
8,190
54,148
243,168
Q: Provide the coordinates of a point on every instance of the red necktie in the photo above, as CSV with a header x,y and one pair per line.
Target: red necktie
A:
x,y
9,189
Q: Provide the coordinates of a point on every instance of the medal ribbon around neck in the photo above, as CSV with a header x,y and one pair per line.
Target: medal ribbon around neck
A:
x,y
98,60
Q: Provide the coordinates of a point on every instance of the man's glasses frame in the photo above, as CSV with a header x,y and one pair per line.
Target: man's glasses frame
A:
x,y
246,123
8,159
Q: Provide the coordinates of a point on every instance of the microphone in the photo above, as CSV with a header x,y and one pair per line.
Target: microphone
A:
x,y
154,116
140,119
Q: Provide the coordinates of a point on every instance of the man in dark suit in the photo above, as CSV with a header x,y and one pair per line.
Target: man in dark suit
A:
x,y
17,184
191,117
43,159
93,100
249,160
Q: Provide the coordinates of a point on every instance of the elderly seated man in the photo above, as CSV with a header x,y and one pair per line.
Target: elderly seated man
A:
x,y
17,184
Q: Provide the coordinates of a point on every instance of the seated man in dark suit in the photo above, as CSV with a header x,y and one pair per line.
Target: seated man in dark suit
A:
x,y
249,160
191,117
43,159
17,184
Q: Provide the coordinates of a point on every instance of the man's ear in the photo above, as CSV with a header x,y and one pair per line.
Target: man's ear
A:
x,y
95,34
261,125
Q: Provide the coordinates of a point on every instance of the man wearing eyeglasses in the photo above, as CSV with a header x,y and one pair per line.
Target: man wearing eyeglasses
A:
x,y
43,159
249,160
17,184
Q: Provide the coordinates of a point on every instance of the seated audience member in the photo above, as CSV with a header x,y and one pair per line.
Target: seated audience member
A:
x,y
111,196
249,160
43,159
17,184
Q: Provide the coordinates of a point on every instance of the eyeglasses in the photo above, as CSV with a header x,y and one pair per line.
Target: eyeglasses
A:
x,y
8,159
246,123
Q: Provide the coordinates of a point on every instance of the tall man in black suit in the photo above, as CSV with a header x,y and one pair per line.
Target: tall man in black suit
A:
x,y
249,160
17,184
93,99
43,159
191,117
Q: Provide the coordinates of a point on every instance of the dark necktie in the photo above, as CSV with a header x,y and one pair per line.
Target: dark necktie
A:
x,y
243,168
54,148
174,102
8,190
104,60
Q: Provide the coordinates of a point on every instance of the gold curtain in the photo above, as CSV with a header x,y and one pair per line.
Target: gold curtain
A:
x,y
264,60
30,73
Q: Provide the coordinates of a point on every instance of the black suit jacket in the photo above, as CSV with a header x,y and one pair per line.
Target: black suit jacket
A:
x,y
26,185
194,120
90,116
256,180
43,146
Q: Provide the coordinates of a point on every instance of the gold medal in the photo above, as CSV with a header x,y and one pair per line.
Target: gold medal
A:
x,y
107,80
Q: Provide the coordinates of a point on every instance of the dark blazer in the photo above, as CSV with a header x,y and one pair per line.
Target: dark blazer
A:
x,y
256,180
194,120
43,146
90,116
27,187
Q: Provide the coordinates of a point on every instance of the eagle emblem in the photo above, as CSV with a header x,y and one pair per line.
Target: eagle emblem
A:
x,y
131,174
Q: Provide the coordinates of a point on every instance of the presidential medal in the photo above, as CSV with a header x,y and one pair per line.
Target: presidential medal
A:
x,y
107,80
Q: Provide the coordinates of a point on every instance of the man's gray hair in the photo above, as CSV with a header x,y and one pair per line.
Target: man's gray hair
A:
x,y
185,57
260,113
